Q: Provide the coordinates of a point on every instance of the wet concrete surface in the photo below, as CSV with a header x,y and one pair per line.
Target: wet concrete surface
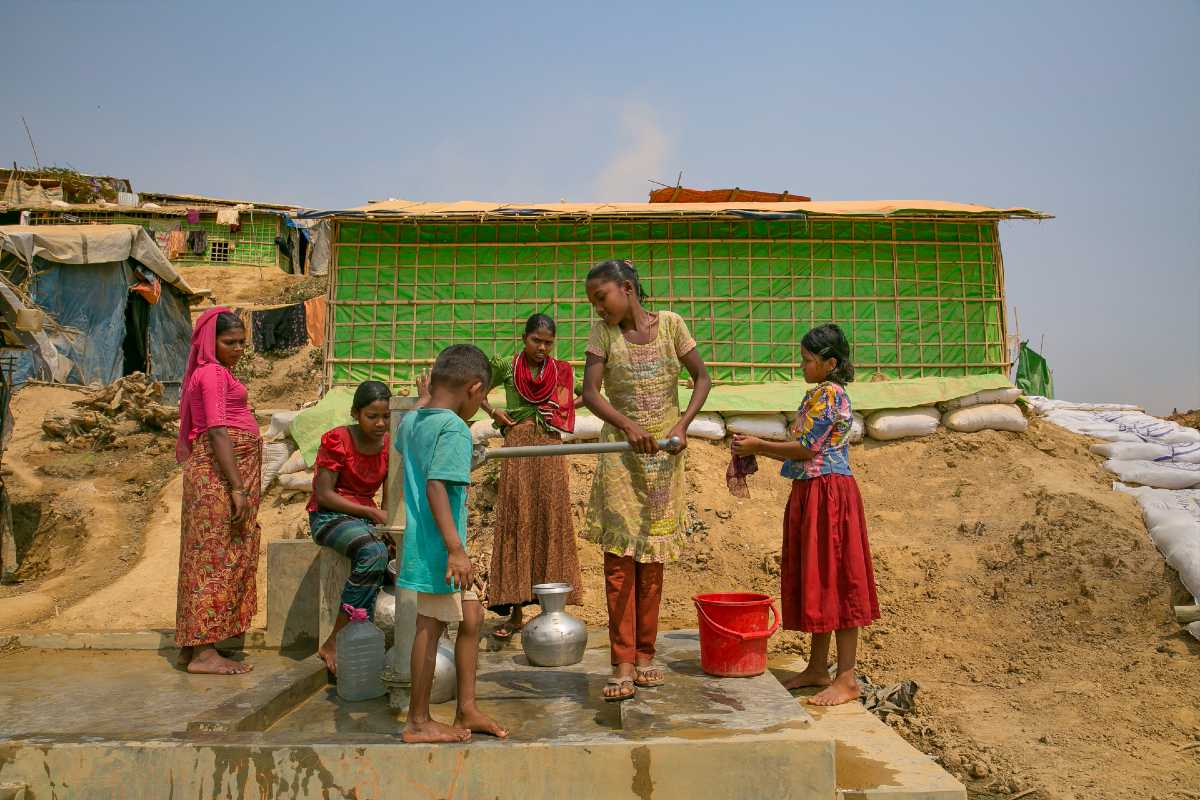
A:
x,y
567,703
117,693
117,723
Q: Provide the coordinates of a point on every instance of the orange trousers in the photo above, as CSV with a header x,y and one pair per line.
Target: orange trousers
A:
x,y
633,591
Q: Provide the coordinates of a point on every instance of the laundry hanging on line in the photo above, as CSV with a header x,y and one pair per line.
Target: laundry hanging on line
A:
x,y
198,242
176,244
282,328
314,320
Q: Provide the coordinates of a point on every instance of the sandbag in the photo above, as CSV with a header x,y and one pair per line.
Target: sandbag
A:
x,y
296,482
1182,436
707,426
987,417
1131,451
1186,453
587,429
986,397
274,456
858,428
1156,474
1044,405
1173,520
294,463
280,425
764,426
889,425
483,431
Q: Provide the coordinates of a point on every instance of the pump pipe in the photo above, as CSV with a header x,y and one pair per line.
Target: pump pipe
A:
x,y
541,450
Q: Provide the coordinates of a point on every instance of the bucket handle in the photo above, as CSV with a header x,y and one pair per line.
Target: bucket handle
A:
x,y
744,636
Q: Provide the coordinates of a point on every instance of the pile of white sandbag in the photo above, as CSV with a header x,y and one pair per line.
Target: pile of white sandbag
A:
x,y
283,463
1162,458
1173,520
989,410
1140,449
993,409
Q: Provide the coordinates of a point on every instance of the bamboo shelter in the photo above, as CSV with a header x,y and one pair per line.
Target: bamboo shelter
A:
x,y
917,285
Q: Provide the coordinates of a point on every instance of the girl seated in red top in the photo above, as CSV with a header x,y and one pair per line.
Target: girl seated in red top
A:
x,y
352,464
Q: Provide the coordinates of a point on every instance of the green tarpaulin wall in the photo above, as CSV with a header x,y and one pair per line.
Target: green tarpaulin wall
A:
x,y
917,298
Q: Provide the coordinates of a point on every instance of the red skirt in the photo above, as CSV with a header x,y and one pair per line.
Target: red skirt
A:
x,y
828,583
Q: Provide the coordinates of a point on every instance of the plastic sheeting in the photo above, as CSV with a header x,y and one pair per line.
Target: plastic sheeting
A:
x,y
87,304
1170,508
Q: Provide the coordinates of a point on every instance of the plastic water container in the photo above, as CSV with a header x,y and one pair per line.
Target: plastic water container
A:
x,y
360,649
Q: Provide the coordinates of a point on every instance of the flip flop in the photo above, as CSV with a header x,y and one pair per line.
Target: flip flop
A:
x,y
507,632
643,682
620,684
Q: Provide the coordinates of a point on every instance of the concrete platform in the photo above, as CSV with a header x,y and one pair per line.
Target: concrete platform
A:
x,y
140,693
92,724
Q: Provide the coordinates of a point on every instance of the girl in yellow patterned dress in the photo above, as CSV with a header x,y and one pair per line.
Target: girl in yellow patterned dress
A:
x,y
638,511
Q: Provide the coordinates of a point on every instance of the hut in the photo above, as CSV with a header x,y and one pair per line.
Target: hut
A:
x,y
200,231
918,285
90,304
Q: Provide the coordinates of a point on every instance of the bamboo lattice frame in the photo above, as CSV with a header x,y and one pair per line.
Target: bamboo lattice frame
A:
x,y
917,297
252,245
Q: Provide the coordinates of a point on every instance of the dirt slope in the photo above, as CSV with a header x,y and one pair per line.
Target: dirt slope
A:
x,y
1018,589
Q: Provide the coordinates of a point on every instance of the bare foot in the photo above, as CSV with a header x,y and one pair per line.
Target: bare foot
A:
x,y
329,656
478,722
184,657
433,732
844,689
209,662
811,676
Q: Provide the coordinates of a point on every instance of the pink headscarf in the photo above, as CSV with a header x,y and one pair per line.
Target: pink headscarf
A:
x,y
204,351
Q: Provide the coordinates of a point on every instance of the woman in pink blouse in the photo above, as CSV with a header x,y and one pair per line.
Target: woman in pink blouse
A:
x,y
219,444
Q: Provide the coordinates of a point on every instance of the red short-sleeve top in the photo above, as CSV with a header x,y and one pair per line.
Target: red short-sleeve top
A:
x,y
359,475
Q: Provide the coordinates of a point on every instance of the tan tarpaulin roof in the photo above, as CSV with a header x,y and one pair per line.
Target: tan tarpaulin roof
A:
x,y
814,207
90,244
177,199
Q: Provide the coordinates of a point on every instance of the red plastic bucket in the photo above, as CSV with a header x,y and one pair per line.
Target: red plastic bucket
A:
x,y
734,628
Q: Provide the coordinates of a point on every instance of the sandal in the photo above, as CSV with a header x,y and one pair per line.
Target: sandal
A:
x,y
620,684
649,676
504,631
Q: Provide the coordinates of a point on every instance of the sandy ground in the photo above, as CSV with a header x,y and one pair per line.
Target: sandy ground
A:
x,y
240,285
1018,590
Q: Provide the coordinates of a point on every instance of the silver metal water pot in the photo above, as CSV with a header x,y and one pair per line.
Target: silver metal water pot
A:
x,y
554,638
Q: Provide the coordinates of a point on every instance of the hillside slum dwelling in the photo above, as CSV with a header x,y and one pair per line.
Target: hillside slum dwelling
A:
x,y
90,304
917,285
190,229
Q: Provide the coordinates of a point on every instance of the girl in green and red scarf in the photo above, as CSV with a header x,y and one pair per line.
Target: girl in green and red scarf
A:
x,y
534,536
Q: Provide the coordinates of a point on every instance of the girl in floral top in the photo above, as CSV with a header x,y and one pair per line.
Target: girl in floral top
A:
x,y
828,583
638,511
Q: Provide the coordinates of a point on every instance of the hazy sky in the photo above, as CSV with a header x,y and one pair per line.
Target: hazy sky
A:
x,y
1087,110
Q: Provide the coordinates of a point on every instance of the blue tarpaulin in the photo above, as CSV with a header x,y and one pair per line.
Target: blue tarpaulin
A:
x,y
91,310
